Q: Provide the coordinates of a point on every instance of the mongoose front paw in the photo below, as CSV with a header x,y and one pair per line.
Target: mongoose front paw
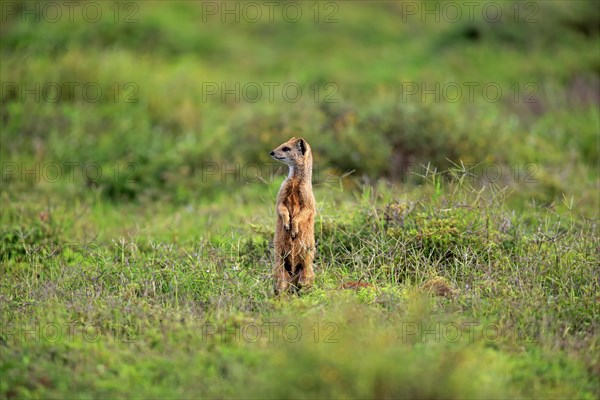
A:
x,y
294,231
286,226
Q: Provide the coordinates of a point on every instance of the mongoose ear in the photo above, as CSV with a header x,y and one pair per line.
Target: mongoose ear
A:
x,y
302,146
292,138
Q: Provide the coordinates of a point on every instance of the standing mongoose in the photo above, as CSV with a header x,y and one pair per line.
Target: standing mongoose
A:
x,y
294,233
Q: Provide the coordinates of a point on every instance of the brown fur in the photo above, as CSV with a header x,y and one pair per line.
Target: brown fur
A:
x,y
355,285
294,233
439,286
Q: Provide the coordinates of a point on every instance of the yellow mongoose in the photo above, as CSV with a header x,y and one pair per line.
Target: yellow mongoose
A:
x,y
294,233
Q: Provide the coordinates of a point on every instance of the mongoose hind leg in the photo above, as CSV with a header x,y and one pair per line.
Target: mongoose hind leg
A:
x,y
307,274
282,274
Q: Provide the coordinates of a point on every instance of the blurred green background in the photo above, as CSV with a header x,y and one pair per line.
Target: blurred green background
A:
x,y
157,96
452,140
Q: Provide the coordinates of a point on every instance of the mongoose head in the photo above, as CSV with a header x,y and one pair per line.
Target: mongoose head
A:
x,y
294,152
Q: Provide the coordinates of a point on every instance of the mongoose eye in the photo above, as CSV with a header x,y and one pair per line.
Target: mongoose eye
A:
x,y
285,148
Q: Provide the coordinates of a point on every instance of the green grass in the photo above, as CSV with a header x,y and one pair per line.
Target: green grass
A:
x,y
186,317
139,270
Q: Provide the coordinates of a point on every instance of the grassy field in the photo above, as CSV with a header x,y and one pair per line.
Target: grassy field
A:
x,y
456,175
